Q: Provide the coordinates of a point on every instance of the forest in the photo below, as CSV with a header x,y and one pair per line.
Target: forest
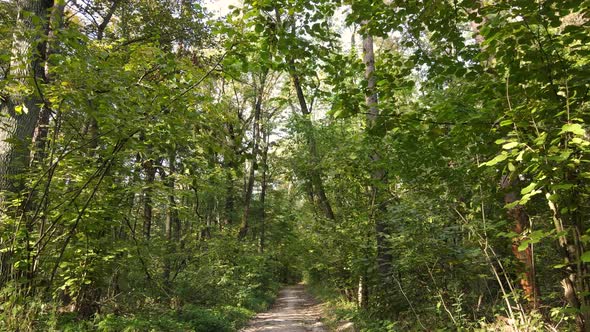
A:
x,y
420,165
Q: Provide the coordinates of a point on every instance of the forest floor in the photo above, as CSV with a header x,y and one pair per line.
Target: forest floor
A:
x,y
294,311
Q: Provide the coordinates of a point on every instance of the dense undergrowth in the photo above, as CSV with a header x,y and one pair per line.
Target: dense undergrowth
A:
x,y
221,297
162,168
341,312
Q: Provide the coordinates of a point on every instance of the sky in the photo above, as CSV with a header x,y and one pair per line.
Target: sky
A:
x,y
220,7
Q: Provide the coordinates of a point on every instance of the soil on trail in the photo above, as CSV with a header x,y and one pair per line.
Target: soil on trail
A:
x,y
294,311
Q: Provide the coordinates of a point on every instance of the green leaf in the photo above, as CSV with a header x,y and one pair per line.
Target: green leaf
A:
x,y
512,205
526,198
524,245
563,186
537,235
509,235
510,145
579,141
498,159
585,257
574,128
541,139
259,28
528,188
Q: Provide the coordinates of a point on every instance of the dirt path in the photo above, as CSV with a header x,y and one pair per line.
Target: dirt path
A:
x,y
294,311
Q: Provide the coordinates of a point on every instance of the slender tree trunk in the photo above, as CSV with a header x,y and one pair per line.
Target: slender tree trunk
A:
x,y
363,292
230,166
264,184
42,129
521,224
253,160
93,126
106,19
316,176
378,176
573,284
172,226
315,173
40,204
229,209
150,175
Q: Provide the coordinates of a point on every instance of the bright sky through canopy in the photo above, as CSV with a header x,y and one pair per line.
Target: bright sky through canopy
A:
x,y
220,7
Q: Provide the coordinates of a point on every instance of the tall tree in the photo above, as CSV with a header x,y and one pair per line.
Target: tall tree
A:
x,y
378,174
260,90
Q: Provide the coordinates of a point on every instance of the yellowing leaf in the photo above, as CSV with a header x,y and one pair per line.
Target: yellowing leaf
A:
x,y
574,128
510,145
21,109
524,245
498,159
528,188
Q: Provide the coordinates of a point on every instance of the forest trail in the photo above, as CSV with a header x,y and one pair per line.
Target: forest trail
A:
x,y
294,311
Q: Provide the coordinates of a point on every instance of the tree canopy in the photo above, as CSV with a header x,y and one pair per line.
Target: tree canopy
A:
x,y
422,165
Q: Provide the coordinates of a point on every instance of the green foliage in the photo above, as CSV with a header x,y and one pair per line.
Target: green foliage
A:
x,y
130,208
188,318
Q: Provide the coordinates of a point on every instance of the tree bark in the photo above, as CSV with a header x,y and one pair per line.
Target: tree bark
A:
x,y
93,126
253,160
150,175
18,117
42,129
20,111
264,184
230,166
378,175
106,19
316,176
363,292
315,173
521,224
573,284
172,226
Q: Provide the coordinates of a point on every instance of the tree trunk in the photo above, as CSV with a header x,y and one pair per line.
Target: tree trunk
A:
x,y
40,204
378,176
172,226
316,177
93,126
106,19
315,173
229,209
573,284
18,119
264,184
21,111
363,292
253,160
230,167
521,224
42,129
150,175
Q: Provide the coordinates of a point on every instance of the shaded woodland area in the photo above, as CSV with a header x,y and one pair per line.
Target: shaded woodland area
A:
x,y
422,165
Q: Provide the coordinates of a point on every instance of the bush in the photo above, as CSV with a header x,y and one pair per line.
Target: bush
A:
x,y
189,318
239,317
204,320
